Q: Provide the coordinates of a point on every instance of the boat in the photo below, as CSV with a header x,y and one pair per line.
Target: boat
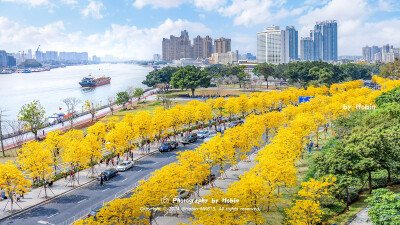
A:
x,y
26,71
6,71
94,82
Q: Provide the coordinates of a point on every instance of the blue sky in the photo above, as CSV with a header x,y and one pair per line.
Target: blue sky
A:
x,y
134,28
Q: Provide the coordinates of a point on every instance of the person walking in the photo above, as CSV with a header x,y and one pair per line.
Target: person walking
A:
x,y
148,148
101,180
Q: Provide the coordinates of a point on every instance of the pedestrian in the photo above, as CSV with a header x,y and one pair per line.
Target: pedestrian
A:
x,y
101,180
107,162
66,175
112,161
148,148
43,132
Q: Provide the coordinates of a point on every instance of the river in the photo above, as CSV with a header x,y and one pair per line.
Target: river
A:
x,y
50,87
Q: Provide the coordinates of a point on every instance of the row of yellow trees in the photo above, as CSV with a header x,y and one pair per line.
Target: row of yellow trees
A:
x,y
194,166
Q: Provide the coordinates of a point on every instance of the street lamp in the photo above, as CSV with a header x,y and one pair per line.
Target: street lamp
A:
x,y
348,196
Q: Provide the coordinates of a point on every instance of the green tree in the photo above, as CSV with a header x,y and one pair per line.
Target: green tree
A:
x,y
355,71
391,70
388,97
190,77
384,207
122,98
138,93
33,115
159,76
325,77
265,69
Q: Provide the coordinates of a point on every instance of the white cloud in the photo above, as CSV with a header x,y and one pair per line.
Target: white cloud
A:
x,y
388,5
29,2
69,2
93,9
119,40
354,30
202,16
159,3
203,4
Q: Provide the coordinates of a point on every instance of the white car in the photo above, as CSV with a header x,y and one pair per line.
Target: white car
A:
x,y
209,137
124,166
203,134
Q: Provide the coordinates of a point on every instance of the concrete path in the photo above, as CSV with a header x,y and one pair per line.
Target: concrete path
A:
x,y
361,218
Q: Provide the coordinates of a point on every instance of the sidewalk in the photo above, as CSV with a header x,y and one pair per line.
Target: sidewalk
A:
x,y
183,217
361,218
60,187
10,142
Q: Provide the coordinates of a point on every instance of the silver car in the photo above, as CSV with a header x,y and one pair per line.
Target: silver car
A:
x,y
124,166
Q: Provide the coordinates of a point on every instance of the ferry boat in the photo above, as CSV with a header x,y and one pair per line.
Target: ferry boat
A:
x,y
94,82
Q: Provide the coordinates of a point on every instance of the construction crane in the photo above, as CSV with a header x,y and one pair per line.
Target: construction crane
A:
x,y
23,55
37,52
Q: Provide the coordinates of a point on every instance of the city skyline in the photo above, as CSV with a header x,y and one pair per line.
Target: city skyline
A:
x,y
132,28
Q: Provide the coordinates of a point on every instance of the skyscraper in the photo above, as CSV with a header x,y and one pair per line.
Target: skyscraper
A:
x,y
222,45
307,49
325,40
176,47
273,46
207,47
367,53
293,37
198,47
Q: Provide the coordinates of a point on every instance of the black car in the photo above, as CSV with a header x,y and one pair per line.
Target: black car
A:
x,y
190,138
237,123
109,173
168,146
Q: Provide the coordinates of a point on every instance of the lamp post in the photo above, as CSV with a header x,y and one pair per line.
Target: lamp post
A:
x,y
348,196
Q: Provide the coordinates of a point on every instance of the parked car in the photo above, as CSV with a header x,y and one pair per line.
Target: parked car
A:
x,y
111,172
168,146
203,134
209,137
184,193
236,123
209,179
95,211
124,166
190,138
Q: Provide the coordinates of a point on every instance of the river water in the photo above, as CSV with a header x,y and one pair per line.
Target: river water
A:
x,y
50,87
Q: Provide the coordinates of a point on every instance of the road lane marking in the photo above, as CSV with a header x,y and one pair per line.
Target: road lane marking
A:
x,y
124,179
52,215
105,190
44,222
155,163
81,201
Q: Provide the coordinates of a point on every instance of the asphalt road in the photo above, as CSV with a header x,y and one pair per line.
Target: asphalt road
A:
x,y
69,205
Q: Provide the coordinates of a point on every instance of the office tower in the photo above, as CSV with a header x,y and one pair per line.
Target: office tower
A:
x,y
198,47
374,50
306,49
222,45
292,35
325,40
272,46
166,49
176,47
11,61
207,47
367,53
262,47
3,58
386,48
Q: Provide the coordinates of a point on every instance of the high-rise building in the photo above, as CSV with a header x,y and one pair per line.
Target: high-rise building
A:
x,y
96,59
3,58
207,47
222,45
367,53
224,58
11,61
386,48
374,50
324,37
176,47
306,49
272,46
293,37
198,47
157,57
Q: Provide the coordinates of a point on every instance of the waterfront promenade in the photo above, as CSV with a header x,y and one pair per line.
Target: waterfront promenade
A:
x,y
10,143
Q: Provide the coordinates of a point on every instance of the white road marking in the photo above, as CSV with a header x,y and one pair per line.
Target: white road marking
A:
x,y
155,163
52,215
124,179
140,170
44,222
105,190
81,201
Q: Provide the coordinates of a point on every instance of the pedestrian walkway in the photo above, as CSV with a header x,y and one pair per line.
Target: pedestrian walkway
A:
x,y
36,196
176,216
361,218
11,142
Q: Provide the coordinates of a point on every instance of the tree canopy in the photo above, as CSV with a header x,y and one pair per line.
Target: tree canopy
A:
x,y
158,76
190,77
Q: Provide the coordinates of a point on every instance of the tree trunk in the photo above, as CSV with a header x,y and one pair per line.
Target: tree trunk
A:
x,y
370,182
192,92
1,140
389,179
267,81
